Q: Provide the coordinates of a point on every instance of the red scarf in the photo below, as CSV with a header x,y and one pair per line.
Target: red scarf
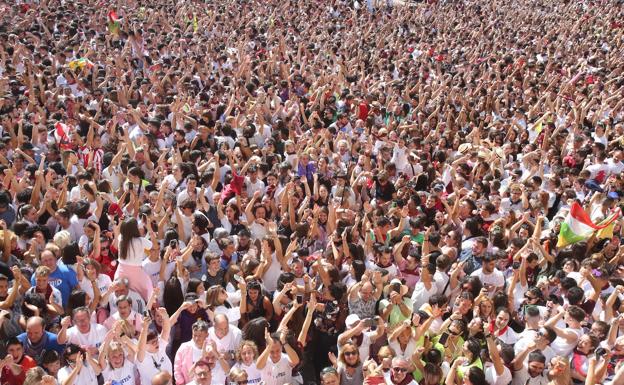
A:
x,y
500,332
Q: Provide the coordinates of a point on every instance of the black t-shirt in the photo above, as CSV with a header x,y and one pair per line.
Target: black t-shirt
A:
x,y
384,192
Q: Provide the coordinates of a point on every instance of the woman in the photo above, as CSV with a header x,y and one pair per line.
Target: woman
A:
x,y
402,340
470,359
91,278
280,368
473,376
131,256
191,351
115,363
217,302
80,368
246,360
51,362
580,358
151,352
256,304
350,365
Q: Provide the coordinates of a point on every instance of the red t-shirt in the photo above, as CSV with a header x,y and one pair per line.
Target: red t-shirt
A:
x,y
8,378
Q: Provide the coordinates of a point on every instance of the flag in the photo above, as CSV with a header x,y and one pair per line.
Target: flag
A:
x,y
80,63
113,22
578,226
607,232
62,135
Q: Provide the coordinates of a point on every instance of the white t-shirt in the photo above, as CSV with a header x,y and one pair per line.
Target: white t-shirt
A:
x,y
103,282
93,338
421,295
409,349
153,270
124,375
522,377
562,347
229,343
154,363
254,376
136,251
272,274
495,278
494,379
277,373
85,376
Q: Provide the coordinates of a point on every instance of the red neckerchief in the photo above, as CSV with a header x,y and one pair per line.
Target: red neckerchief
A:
x,y
48,291
500,332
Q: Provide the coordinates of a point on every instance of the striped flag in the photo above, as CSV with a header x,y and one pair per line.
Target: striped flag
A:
x,y
62,134
578,226
113,22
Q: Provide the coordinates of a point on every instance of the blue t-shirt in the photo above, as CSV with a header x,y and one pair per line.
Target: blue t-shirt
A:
x,y
51,344
63,278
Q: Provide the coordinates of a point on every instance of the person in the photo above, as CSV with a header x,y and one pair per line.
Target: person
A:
x,y
276,367
116,365
453,168
186,355
399,373
85,334
15,364
60,276
226,337
151,358
131,256
36,340
201,373
80,368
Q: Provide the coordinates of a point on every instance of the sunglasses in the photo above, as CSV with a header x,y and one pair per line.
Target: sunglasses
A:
x,y
401,370
351,353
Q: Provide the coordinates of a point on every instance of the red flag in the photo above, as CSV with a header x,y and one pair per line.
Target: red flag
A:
x,y
112,16
61,133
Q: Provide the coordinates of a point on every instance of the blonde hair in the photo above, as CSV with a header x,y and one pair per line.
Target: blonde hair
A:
x,y
238,374
62,239
42,271
243,344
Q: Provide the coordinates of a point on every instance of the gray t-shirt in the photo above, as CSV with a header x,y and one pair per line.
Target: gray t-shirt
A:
x,y
356,379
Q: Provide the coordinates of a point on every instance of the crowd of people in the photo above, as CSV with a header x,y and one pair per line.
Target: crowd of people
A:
x,y
310,192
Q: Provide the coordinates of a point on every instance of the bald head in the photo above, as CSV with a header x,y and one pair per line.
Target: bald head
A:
x,y
162,378
221,325
35,329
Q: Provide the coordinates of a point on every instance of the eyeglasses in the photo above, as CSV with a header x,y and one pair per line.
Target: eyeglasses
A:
x,y
454,332
401,370
203,374
529,297
351,353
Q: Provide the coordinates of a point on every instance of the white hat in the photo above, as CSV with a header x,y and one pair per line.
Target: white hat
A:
x,y
352,320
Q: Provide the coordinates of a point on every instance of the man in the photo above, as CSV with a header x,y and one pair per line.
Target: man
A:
x,y
492,279
363,296
60,277
126,313
540,341
191,351
531,373
225,336
399,373
162,378
51,294
568,337
474,256
36,340
121,288
361,334
202,374
15,364
87,335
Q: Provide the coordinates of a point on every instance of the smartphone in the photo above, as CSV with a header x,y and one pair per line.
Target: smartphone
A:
x,y
130,186
443,338
368,322
515,265
299,299
173,244
238,278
